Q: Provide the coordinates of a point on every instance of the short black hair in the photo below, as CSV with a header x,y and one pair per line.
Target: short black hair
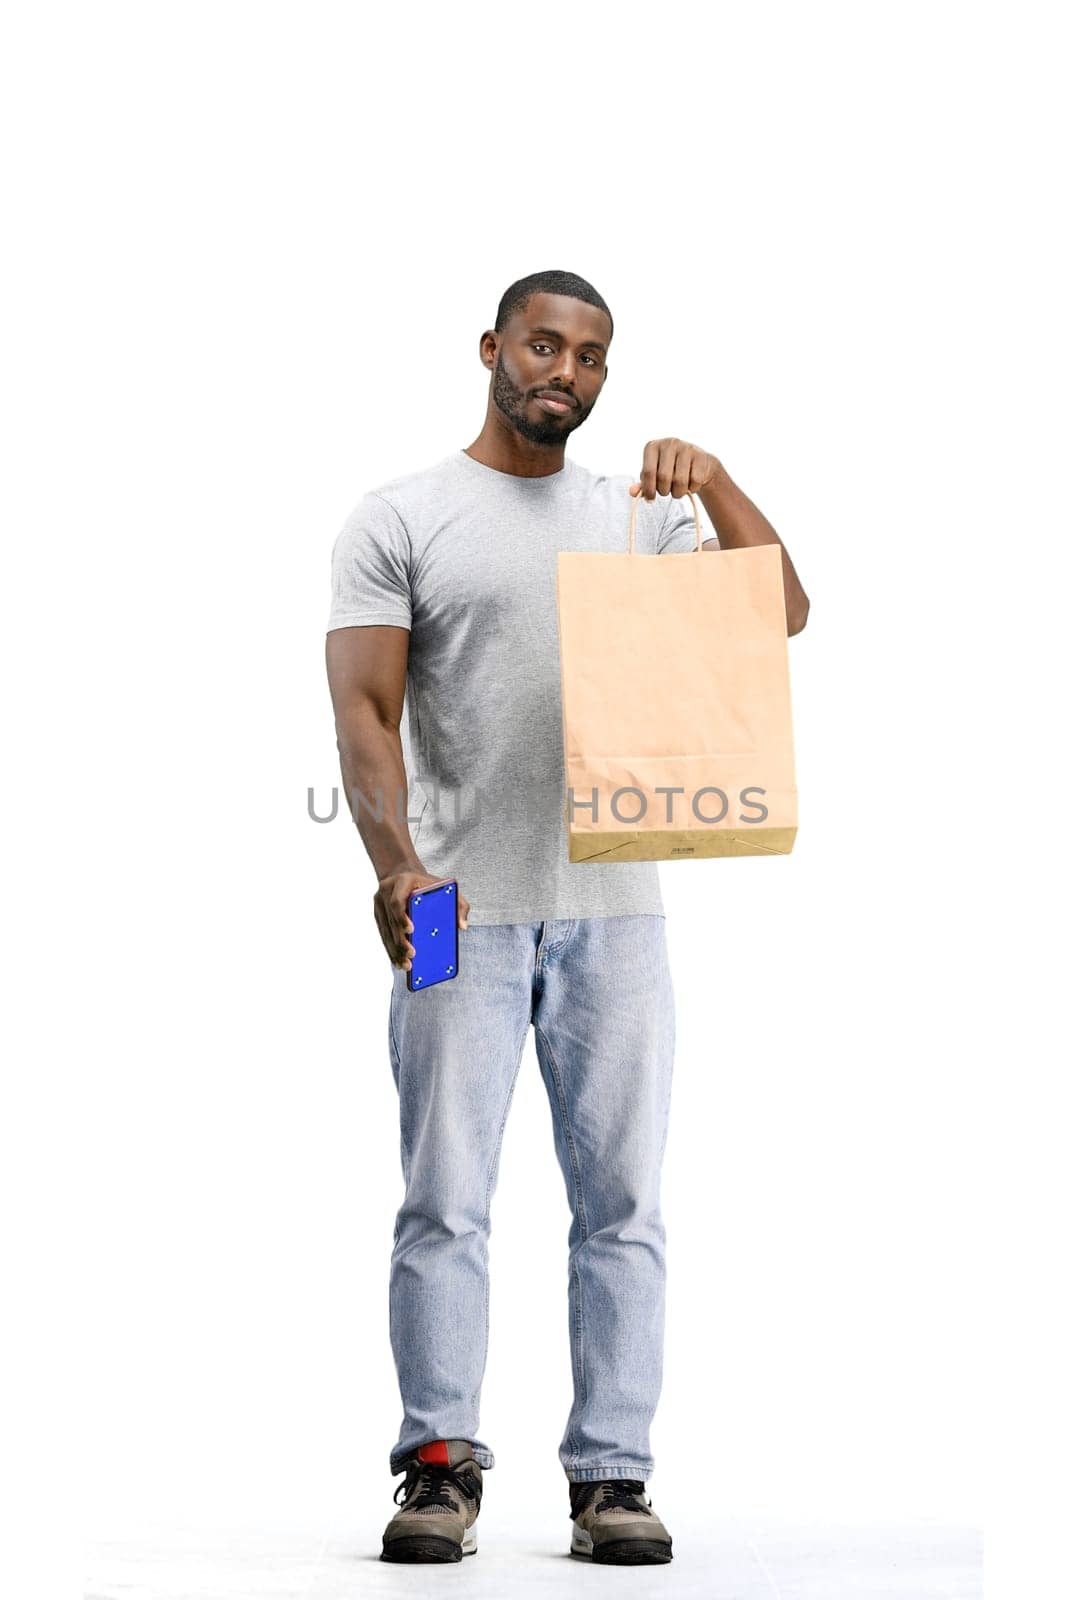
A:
x,y
522,291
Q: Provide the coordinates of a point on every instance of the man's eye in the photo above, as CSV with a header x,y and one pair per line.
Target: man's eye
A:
x,y
593,359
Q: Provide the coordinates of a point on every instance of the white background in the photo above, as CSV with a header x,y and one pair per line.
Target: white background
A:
x,y
253,252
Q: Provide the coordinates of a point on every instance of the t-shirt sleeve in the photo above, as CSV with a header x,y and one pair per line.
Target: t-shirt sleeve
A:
x,y
678,530
371,568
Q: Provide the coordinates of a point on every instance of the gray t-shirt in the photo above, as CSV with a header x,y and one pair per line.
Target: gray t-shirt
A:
x,y
464,557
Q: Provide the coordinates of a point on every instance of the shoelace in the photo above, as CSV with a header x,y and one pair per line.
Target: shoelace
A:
x,y
438,1478
620,1494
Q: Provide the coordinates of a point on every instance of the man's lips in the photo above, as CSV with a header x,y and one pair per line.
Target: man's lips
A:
x,y
555,401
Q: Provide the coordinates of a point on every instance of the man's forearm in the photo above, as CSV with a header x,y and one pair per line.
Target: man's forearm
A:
x,y
739,524
372,770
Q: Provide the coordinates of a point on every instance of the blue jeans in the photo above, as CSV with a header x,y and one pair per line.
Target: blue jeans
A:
x,y
599,994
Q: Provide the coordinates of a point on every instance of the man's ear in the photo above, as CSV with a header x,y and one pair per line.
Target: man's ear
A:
x,y
604,380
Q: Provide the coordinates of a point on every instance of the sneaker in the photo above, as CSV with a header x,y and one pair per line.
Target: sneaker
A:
x,y
438,1518
613,1520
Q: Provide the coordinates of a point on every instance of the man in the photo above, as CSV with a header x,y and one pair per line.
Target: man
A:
x,y
444,584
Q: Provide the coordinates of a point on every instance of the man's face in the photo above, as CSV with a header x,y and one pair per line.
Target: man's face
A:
x,y
556,344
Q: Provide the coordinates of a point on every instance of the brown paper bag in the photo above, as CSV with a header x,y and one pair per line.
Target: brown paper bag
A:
x,y
675,676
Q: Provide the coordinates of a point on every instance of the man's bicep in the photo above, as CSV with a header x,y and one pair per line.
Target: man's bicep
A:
x,y
367,666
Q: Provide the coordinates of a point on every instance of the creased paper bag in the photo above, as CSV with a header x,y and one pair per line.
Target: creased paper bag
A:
x,y
677,723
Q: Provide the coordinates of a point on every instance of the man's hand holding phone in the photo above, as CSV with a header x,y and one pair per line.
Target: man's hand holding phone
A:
x,y
391,909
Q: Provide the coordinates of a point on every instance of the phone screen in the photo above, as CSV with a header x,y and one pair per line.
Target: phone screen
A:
x,y
434,912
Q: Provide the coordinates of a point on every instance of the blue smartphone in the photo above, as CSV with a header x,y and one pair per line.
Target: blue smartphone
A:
x,y
434,913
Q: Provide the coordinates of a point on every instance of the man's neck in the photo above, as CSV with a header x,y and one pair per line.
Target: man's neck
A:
x,y
510,452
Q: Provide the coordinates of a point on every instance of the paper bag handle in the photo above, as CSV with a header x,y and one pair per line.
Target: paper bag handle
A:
x,y
633,520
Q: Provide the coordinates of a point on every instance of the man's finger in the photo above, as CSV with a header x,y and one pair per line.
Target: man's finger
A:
x,y
386,933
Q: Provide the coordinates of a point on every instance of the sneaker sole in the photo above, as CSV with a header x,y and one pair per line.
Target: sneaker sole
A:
x,y
621,1552
429,1547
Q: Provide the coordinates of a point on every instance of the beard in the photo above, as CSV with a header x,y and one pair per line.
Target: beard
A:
x,y
543,429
